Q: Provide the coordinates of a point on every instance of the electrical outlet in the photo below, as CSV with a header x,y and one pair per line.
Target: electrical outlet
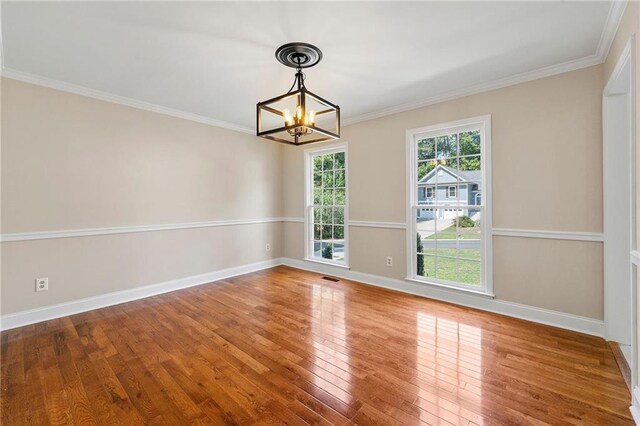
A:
x,y
267,247
42,284
389,261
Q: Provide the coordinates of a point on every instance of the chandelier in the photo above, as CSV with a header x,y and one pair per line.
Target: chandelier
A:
x,y
298,117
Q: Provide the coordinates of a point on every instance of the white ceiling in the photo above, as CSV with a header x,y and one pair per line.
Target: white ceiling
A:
x,y
214,61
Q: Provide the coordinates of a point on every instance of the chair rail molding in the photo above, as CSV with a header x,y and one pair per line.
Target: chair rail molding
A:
x,y
87,232
369,224
552,235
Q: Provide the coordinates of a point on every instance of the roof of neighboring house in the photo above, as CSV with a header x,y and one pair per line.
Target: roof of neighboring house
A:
x,y
465,175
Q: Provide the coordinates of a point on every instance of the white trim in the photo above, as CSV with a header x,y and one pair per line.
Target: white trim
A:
x,y
67,233
635,405
340,146
635,257
121,100
32,316
293,219
87,232
620,299
531,313
480,88
553,235
616,11
606,39
483,124
327,262
453,286
387,225
482,302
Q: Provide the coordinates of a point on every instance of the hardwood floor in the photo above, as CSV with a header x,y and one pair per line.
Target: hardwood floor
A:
x,y
285,346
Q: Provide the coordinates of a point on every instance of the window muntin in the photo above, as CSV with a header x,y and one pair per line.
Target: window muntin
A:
x,y
446,238
326,205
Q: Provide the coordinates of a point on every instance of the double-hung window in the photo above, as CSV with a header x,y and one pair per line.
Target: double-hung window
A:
x,y
326,231
449,239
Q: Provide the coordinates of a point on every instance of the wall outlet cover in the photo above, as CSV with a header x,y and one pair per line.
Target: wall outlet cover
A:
x,y
42,284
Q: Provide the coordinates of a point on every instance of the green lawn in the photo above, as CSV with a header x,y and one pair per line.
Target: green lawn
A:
x,y
468,270
450,234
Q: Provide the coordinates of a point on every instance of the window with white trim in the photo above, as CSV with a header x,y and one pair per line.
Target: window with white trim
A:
x,y
449,241
430,190
326,204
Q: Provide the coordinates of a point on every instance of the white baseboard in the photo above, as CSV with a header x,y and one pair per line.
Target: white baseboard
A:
x,y
545,316
635,405
45,313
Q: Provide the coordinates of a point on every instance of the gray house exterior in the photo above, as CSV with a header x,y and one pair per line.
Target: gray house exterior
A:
x,y
453,190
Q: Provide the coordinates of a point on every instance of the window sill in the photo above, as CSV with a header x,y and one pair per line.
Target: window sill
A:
x,y
451,287
322,262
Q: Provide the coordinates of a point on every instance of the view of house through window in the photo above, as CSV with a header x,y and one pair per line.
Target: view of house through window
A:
x,y
327,199
447,187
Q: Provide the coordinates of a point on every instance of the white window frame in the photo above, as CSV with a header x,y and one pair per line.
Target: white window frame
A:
x,y
455,191
308,196
433,189
482,123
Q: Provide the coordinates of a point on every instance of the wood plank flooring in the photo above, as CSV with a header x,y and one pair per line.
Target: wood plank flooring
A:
x,y
284,346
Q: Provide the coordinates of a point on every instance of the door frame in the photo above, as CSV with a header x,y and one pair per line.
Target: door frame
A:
x,y
624,73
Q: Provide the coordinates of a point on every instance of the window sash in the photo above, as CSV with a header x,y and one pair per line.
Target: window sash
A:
x,y
483,125
310,222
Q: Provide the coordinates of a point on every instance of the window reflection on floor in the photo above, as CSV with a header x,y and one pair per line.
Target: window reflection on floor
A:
x,y
449,360
331,368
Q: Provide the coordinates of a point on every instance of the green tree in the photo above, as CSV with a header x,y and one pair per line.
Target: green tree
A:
x,y
449,146
420,259
465,222
469,143
327,252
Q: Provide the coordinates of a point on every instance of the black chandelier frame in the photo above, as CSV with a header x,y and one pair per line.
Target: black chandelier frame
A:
x,y
298,56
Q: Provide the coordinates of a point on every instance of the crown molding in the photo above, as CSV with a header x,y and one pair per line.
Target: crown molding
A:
x,y
616,11
121,100
480,88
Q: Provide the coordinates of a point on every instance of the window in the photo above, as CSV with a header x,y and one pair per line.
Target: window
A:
x,y
429,192
326,212
449,242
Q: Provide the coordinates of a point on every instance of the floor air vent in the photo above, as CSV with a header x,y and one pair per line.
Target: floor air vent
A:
x,y
335,280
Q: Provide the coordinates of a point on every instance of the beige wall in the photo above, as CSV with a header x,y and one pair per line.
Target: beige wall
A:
x,y
89,164
73,162
547,175
90,266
